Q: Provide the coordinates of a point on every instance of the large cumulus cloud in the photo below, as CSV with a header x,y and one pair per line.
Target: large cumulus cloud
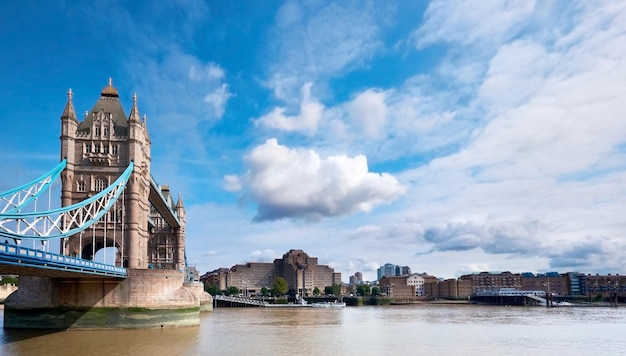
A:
x,y
299,184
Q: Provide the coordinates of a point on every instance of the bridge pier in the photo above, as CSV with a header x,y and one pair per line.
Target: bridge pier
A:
x,y
146,299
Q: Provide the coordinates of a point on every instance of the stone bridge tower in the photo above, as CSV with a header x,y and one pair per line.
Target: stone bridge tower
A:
x,y
146,228
98,149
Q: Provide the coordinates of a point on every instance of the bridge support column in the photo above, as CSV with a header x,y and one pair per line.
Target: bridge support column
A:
x,y
146,299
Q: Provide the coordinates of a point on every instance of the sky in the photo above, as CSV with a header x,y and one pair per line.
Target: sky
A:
x,y
448,136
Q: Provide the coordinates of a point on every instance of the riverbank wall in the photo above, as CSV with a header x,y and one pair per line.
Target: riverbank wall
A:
x,y
147,298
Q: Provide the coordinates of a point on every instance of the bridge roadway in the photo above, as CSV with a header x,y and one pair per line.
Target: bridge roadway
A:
x,y
25,261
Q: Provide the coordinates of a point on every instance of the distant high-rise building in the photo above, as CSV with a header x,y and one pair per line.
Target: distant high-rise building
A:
x,y
403,271
356,279
391,270
387,270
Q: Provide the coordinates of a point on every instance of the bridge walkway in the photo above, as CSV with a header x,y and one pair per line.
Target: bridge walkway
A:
x,y
17,260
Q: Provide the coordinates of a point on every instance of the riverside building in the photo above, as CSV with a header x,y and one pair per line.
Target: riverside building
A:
x,y
302,273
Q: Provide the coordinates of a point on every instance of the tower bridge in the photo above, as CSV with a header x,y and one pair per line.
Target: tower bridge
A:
x,y
109,202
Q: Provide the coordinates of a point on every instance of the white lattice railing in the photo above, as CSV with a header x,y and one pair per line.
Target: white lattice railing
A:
x,y
66,221
15,199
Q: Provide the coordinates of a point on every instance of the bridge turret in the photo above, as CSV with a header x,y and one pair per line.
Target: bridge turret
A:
x,y
69,124
180,233
98,150
138,188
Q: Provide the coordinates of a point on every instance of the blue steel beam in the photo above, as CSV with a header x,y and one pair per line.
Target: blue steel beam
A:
x,y
66,221
25,261
15,199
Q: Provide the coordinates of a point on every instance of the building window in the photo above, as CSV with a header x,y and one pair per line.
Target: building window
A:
x,y
101,183
97,131
115,149
106,131
87,147
106,148
81,186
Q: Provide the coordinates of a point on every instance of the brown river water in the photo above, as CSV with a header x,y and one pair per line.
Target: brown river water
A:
x,y
364,330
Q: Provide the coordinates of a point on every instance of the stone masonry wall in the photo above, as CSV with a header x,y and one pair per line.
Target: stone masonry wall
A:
x,y
151,289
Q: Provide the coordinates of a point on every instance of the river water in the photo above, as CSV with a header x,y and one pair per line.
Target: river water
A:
x,y
365,330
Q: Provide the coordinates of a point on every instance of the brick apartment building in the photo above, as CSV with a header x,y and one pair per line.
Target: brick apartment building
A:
x,y
302,273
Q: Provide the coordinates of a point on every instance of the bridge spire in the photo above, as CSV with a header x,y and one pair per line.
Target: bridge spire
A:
x,y
179,203
134,112
109,90
68,112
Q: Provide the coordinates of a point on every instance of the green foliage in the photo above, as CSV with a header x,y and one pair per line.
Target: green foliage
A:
x,y
363,289
281,301
8,280
375,291
335,289
353,301
212,289
316,291
232,290
380,301
280,286
265,292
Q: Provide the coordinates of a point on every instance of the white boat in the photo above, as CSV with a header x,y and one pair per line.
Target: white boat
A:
x,y
563,304
329,305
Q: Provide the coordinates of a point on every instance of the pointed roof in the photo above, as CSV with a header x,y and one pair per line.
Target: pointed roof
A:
x,y
109,102
134,113
145,128
179,203
69,107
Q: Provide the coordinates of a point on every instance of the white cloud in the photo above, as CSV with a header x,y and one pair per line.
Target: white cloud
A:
x,y
316,40
491,237
232,183
210,72
289,14
307,120
262,256
297,183
217,99
465,21
515,74
537,180
368,109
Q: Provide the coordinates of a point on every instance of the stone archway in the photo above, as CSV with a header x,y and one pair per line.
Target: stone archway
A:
x,y
109,254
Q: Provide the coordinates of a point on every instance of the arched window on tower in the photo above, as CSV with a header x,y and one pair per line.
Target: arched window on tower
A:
x,y
80,186
100,184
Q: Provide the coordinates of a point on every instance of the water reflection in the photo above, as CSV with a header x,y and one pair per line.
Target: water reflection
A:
x,y
415,329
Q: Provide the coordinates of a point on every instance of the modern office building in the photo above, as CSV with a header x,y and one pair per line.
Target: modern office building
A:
x,y
388,270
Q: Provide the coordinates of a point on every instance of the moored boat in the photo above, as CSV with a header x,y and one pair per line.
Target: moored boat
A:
x,y
329,305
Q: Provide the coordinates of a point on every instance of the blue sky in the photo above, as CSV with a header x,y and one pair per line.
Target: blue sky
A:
x,y
449,136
